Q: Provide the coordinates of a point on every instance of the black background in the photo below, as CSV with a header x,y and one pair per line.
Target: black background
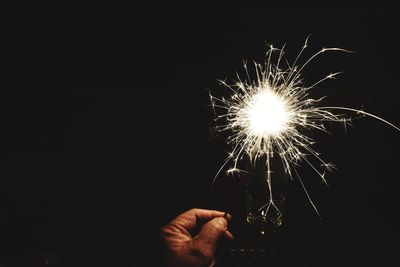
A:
x,y
107,130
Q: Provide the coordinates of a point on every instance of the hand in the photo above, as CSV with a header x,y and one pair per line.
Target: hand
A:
x,y
185,247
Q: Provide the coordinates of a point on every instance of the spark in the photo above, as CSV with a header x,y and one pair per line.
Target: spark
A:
x,y
268,116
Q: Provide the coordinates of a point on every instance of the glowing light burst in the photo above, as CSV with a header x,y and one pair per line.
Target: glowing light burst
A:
x,y
267,116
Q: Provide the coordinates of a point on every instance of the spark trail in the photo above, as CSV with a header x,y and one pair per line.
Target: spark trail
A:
x,y
267,116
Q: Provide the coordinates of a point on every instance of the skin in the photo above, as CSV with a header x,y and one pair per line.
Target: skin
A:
x,y
192,237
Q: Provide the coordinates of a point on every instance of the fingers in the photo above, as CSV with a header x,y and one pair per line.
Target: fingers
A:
x,y
229,235
210,234
207,214
203,246
191,218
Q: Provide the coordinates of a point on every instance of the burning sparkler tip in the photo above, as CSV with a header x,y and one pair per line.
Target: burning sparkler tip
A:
x,y
271,112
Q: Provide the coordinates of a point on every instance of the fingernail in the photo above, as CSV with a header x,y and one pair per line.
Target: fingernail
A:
x,y
227,216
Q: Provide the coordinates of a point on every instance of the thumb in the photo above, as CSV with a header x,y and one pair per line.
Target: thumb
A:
x,y
211,233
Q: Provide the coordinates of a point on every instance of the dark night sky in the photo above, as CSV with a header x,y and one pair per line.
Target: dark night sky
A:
x,y
106,129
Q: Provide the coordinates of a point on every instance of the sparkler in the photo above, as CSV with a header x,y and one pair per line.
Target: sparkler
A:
x,y
267,116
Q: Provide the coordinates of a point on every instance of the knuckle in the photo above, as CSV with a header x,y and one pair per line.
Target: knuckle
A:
x,y
218,228
167,230
219,224
194,210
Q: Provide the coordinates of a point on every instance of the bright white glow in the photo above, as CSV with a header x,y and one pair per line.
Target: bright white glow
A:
x,y
266,114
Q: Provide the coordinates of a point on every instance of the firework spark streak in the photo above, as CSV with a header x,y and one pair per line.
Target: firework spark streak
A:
x,y
267,115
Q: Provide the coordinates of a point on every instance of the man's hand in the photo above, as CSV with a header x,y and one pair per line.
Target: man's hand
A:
x,y
184,246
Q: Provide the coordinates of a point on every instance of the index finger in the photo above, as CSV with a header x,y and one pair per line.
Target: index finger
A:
x,y
206,215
